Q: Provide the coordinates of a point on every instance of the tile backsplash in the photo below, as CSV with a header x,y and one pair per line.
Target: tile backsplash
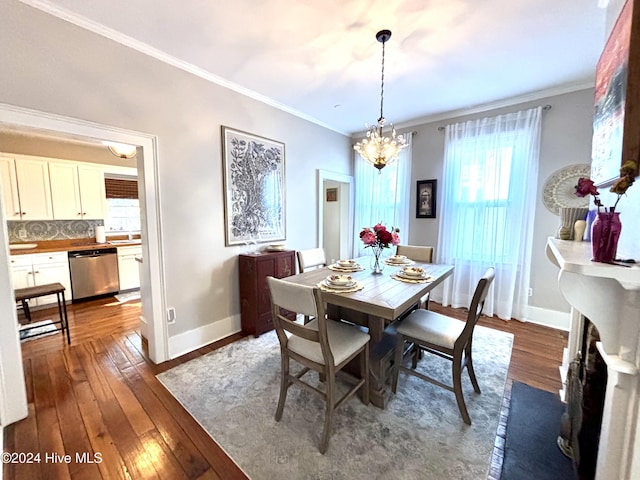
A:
x,y
27,231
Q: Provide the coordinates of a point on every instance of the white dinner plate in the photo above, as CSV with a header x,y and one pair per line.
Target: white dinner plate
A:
x,y
342,286
422,276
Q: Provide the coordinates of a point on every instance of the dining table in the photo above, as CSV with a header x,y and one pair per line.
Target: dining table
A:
x,y
381,299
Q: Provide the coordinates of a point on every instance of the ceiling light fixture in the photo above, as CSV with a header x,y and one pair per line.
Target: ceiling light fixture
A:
x,y
377,149
121,150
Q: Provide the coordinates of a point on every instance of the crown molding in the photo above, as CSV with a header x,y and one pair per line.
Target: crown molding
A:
x,y
485,107
104,31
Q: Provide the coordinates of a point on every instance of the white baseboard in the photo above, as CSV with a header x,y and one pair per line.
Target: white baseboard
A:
x,y
199,337
144,328
549,318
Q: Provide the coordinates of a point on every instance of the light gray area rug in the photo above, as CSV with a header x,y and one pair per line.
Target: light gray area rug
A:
x,y
40,329
233,393
127,296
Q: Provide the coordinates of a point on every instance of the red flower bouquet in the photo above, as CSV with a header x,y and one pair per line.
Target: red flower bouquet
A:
x,y
378,238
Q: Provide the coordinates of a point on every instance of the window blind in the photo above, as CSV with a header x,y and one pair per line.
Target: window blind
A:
x,y
118,188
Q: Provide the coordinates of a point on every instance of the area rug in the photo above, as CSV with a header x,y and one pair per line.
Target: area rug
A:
x,y
233,392
37,330
530,451
127,296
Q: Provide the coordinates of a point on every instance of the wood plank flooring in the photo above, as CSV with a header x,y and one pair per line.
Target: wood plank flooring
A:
x,y
99,398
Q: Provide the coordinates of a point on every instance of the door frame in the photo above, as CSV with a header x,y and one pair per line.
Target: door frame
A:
x,y
13,402
341,178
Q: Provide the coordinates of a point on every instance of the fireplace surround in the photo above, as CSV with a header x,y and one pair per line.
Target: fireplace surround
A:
x,y
609,295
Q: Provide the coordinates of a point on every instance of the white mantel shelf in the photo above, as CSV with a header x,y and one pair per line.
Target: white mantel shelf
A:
x,y
609,296
575,257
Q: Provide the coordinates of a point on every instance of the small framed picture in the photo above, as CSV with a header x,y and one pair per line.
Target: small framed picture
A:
x,y
332,194
426,199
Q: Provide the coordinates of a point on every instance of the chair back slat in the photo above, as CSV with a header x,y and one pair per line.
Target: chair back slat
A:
x,y
295,328
476,307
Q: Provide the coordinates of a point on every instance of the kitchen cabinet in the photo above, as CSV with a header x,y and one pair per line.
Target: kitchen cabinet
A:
x,y
39,269
9,183
255,301
77,190
128,269
26,191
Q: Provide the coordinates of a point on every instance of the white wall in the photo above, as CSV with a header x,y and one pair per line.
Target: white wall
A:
x,y
566,140
52,66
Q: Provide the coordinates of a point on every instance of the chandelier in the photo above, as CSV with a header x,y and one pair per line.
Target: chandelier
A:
x,y
377,149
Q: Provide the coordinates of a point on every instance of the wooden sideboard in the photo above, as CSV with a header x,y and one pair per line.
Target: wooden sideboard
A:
x,y
255,302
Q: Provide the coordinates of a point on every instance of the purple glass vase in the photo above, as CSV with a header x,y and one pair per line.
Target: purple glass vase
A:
x,y
605,233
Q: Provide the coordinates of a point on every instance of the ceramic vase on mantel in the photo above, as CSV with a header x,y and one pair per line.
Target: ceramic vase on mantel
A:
x,y
605,233
568,218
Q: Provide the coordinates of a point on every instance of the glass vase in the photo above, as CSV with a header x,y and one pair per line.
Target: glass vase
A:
x,y
605,233
377,262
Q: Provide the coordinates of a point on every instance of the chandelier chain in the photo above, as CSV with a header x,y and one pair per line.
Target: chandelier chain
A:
x,y
382,83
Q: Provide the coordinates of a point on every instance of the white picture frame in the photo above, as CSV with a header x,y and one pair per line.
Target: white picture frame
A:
x,y
254,185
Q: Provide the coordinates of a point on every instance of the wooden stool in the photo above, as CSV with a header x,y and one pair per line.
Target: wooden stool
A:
x,y
24,294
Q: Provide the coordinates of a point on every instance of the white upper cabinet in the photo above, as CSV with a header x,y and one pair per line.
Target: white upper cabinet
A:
x,y
93,197
65,191
33,189
77,190
27,180
9,182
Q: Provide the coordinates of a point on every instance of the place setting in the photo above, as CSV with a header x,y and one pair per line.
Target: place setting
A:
x,y
398,260
340,284
346,266
412,275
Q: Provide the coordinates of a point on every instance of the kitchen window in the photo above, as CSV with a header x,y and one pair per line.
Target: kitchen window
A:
x,y
123,206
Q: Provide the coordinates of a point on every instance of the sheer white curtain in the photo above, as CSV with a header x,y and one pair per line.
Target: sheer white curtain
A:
x,y
382,197
490,182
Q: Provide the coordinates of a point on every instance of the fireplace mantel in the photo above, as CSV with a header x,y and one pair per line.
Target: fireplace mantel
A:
x,y
609,295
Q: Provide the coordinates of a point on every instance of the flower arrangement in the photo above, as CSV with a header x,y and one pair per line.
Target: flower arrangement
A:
x,y
627,176
379,238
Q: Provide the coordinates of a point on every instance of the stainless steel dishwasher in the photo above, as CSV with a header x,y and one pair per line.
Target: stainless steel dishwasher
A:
x,y
93,272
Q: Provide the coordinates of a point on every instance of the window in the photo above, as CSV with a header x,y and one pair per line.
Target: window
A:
x,y
489,196
123,215
123,206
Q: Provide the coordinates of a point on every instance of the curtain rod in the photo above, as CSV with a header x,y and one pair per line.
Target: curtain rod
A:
x,y
544,108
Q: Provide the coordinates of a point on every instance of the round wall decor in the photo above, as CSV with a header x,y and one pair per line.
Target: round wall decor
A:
x,y
559,189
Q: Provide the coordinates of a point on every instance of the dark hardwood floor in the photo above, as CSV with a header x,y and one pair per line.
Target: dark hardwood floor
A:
x,y
100,395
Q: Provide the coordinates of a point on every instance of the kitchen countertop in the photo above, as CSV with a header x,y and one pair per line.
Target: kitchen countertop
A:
x,y
72,245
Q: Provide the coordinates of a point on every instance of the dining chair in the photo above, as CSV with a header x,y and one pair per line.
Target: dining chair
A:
x,y
417,253
323,345
446,337
311,259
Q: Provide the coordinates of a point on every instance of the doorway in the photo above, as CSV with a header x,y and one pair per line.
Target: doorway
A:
x,y
335,214
12,400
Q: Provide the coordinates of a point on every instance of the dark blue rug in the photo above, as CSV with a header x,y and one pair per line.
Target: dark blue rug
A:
x,y
530,450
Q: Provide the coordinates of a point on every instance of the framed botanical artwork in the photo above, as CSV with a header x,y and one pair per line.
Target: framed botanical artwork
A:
x,y
616,135
426,199
254,200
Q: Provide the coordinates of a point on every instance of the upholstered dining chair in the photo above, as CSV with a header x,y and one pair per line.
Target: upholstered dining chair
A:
x,y
421,254
323,345
311,259
446,337
417,253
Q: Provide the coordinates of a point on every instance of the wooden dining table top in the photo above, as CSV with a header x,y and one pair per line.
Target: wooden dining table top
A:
x,y
382,296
